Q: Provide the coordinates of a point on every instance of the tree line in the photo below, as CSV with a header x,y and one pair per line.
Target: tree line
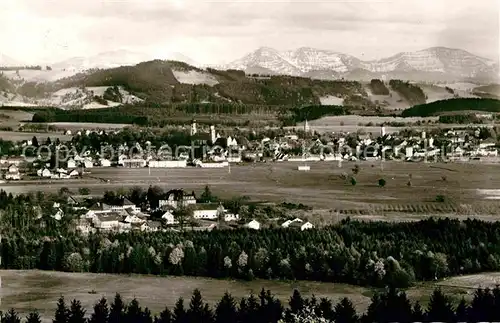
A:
x,y
388,306
371,254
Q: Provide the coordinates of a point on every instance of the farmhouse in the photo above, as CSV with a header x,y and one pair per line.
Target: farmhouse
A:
x,y
176,198
71,163
13,173
133,163
108,221
287,223
167,163
168,218
104,162
254,224
124,204
208,211
301,226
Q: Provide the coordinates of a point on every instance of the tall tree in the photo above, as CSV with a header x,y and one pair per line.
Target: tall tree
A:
x,y
226,310
62,313
77,313
11,317
197,311
179,313
462,312
417,313
440,308
134,312
33,317
165,316
345,312
117,310
101,312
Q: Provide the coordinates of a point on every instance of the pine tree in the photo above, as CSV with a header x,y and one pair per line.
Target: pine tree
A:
x,y
326,308
147,317
226,309
461,313
179,313
77,313
417,313
396,307
345,312
11,317
62,312
33,317
440,308
197,311
165,316
101,312
296,303
134,312
374,312
249,310
117,310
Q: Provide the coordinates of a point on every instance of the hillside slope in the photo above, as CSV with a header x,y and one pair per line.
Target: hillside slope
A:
x,y
452,105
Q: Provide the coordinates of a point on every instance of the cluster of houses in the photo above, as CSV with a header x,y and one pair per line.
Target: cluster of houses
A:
x,y
218,151
10,167
124,216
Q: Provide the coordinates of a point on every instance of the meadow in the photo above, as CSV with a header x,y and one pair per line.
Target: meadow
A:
x,y
25,290
468,189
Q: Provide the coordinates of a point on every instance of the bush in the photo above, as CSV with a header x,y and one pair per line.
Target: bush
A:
x,y
440,198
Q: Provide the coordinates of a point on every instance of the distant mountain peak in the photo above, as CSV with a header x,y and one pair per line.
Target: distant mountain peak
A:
x,y
434,62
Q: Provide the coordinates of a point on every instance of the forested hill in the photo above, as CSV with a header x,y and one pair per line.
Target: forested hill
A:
x,y
452,105
173,82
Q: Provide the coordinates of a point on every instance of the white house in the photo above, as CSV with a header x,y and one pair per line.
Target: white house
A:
x,y
254,224
306,226
73,173
71,163
167,163
88,163
104,162
169,218
58,215
231,217
108,221
124,204
44,173
206,212
13,173
133,219
287,223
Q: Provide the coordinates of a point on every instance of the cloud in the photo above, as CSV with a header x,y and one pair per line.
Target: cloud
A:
x,y
216,31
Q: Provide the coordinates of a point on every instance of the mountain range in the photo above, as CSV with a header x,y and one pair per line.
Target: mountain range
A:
x,y
432,64
436,64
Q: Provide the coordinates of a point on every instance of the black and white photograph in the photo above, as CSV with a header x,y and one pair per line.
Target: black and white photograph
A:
x,y
243,161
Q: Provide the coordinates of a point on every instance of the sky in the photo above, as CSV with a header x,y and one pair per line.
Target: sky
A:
x,y
216,32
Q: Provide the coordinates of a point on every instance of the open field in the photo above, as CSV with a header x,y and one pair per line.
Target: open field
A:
x,y
19,136
87,125
321,188
349,123
25,290
12,118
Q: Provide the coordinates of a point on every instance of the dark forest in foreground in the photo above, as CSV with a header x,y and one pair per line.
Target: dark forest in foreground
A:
x,y
389,306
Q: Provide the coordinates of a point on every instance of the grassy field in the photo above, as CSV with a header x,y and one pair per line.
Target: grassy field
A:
x,y
25,290
470,189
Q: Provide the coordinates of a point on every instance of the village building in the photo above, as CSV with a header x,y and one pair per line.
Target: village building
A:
x,y
13,173
254,224
177,198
